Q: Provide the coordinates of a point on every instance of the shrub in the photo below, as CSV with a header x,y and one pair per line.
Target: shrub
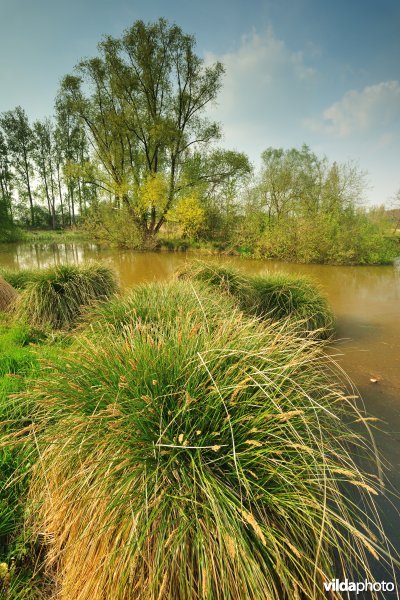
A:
x,y
57,296
188,456
275,295
113,226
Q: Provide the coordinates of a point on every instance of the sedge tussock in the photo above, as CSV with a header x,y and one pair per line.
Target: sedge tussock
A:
x,y
274,295
131,512
57,296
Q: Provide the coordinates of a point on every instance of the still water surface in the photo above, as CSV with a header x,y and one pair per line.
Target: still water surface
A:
x,y
365,300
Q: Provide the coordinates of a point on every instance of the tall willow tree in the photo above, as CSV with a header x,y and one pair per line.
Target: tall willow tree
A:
x,y
20,143
71,157
5,183
44,157
143,101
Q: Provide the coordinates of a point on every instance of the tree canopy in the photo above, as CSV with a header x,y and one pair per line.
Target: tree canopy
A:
x,y
143,101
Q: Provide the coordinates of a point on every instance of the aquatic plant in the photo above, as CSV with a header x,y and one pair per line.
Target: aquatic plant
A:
x,y
57,296
186,455
228,279
8,295
273,295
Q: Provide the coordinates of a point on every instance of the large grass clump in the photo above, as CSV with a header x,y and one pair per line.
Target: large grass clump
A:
x,y
8,295
173,302
19,278
280,295
57,296
185,455
274,295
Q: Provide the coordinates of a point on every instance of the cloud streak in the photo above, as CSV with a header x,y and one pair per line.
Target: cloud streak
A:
x,y
376,107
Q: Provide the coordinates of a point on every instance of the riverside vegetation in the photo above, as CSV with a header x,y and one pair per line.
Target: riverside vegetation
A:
x,y
187,440
132,159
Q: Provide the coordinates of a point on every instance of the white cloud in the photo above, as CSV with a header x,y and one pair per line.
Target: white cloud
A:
x,y
272,97
264,88
376,107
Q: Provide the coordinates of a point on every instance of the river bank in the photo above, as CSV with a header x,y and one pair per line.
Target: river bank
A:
x,y
204,247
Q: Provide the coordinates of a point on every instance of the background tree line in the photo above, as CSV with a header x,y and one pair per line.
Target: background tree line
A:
x,y
39,184
131,156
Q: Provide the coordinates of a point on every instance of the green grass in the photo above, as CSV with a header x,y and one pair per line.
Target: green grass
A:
x,y
281,296
56,297
60,236
19,279
20,350
174,302
189,455
273,296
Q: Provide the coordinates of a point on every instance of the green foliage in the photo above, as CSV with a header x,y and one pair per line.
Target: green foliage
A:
x,y
8,231
56,297
60,236
20,143
24,585
142,100
17,361
189,215
303,209
201,456
9,234
349,237
112,225
271,296
218,177
20,350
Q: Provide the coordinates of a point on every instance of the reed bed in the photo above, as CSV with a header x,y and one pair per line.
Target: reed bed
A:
x,y
182,454
57,296
273,295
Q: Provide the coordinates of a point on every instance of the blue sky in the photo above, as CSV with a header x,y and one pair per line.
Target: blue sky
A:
x,y
321,72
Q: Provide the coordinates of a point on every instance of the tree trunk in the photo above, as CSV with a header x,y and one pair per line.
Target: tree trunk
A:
x,y
60,195
31,204
72,205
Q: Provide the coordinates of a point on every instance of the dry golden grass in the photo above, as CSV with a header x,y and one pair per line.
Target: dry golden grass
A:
x,y
180,456
8,295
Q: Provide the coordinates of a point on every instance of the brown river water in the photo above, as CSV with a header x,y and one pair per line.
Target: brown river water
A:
x,y
365,300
